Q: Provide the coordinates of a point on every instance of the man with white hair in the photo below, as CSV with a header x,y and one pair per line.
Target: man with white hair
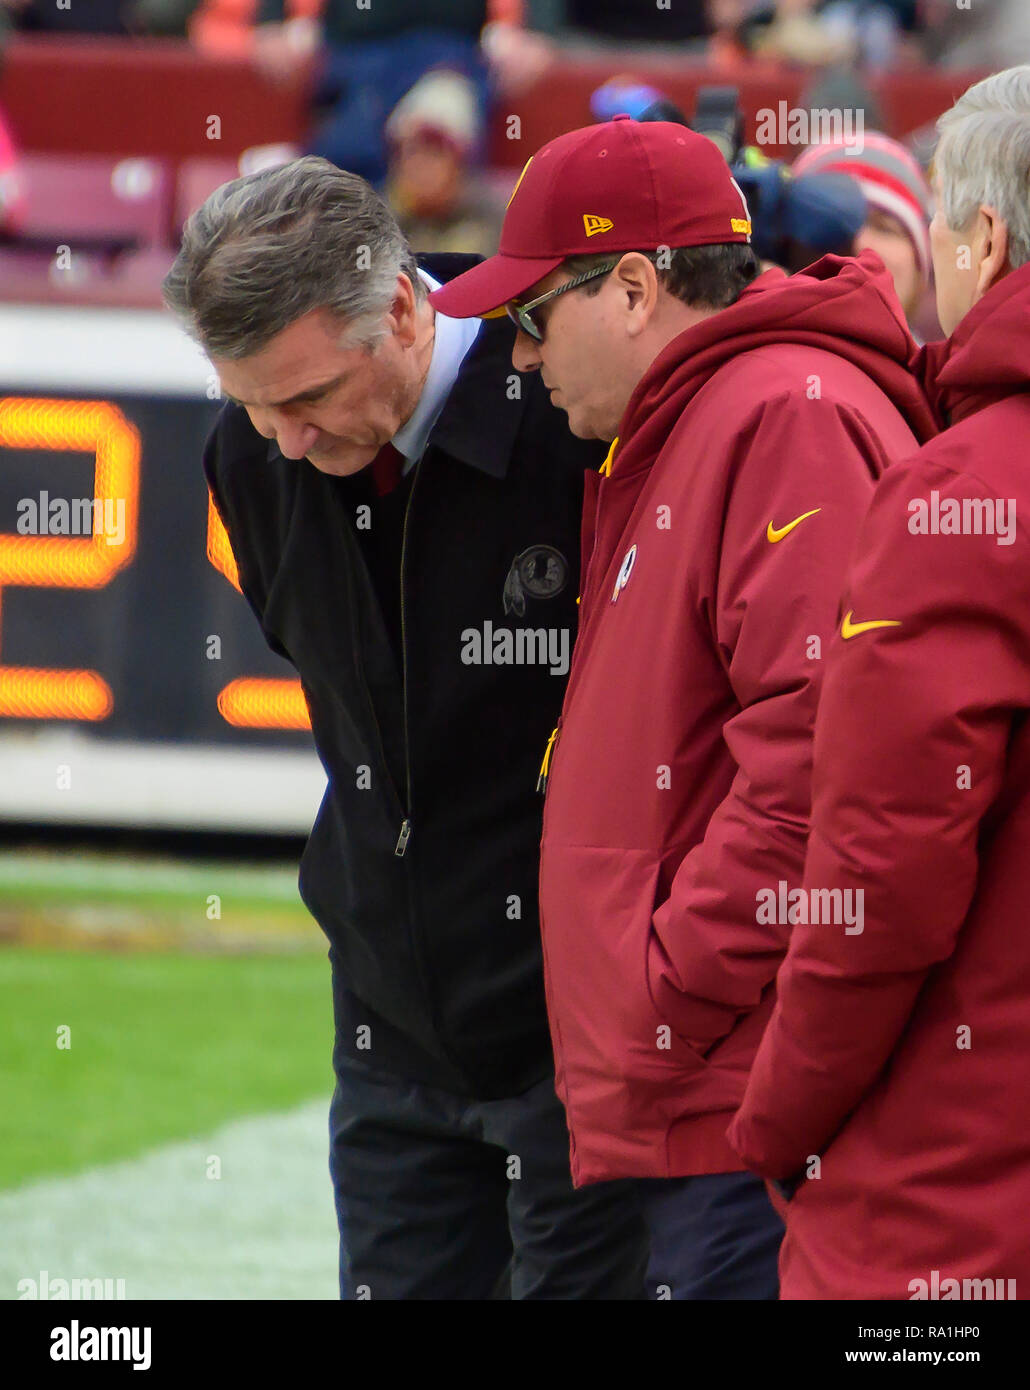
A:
x,y
894,1074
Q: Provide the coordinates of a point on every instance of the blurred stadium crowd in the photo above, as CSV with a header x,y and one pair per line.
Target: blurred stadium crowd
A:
x,y
423,104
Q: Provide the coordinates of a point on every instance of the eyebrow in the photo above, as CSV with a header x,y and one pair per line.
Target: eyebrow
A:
x,y
310,394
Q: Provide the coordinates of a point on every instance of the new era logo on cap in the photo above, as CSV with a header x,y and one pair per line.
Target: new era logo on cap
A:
x,y
670,185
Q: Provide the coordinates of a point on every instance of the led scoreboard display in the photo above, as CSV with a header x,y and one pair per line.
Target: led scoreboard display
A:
x,y
128,656
148,629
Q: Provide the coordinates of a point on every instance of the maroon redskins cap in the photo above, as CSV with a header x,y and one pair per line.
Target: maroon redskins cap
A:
x,y
623,185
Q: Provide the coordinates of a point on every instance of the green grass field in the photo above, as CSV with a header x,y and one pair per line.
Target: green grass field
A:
x,y
163,1047
84,900
193,1032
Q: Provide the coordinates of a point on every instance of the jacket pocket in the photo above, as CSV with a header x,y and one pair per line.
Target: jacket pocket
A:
x,y
619,1062
727,1059
668,1003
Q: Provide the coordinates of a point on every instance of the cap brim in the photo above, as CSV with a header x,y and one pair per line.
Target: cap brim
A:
x,y
491,284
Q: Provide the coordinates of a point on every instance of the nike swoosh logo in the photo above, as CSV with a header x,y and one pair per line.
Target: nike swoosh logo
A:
x,y
850,629
775,535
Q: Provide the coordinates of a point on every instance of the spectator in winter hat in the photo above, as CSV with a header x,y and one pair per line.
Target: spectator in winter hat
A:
x,y
900,207
433,134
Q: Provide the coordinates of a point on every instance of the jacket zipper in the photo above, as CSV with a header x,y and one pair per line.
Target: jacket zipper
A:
x,y
405,831
375,720
406,824
404,807
545,767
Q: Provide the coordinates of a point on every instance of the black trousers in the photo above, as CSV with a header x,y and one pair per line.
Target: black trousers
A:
x,y
445,1197
714,1236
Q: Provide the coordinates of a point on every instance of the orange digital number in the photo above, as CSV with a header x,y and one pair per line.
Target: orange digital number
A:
x,y
250,702
87,560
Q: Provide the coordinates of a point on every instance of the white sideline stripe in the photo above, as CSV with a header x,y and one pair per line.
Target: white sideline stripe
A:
x,y
265,1230
198,786
45,347
111,876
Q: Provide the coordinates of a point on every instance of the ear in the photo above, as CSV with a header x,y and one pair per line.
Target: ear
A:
x,y
994,263
403,313
636,278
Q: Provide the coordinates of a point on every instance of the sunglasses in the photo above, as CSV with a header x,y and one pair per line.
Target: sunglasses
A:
x,y
522,314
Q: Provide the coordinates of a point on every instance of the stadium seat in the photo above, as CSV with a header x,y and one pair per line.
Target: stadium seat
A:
x,y
198,178
31,276
94,201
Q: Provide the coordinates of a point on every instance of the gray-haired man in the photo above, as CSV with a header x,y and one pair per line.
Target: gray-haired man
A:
x,y
408,539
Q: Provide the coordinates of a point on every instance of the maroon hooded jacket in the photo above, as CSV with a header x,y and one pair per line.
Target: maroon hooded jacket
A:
x,y
714,554
900,1056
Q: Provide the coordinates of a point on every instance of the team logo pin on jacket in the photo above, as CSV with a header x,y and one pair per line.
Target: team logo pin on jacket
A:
x,y
625,570
540,571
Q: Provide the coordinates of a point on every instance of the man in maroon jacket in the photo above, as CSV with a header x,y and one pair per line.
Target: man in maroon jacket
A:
x,y
750,418
895,1073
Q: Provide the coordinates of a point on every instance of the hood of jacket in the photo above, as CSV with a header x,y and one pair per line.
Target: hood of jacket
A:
x,y
841,304
986,357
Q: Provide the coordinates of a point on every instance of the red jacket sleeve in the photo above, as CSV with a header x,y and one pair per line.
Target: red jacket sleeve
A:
x,y
773,609
909,755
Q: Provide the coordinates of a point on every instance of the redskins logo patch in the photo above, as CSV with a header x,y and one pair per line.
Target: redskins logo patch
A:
x,y
539,571
625,570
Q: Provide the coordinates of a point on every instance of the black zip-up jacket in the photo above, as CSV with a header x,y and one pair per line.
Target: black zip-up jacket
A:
x,y
422,865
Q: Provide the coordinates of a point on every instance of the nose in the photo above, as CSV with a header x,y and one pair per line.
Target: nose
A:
x,y
525,355
294,438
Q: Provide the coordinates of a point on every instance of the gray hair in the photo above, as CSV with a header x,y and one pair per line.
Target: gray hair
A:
x,y
983,156
266,249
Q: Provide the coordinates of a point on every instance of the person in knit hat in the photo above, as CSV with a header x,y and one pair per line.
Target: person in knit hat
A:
x,y
433,135
900,207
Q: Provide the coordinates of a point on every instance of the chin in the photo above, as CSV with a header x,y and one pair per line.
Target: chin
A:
x,y
344,467
582,427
